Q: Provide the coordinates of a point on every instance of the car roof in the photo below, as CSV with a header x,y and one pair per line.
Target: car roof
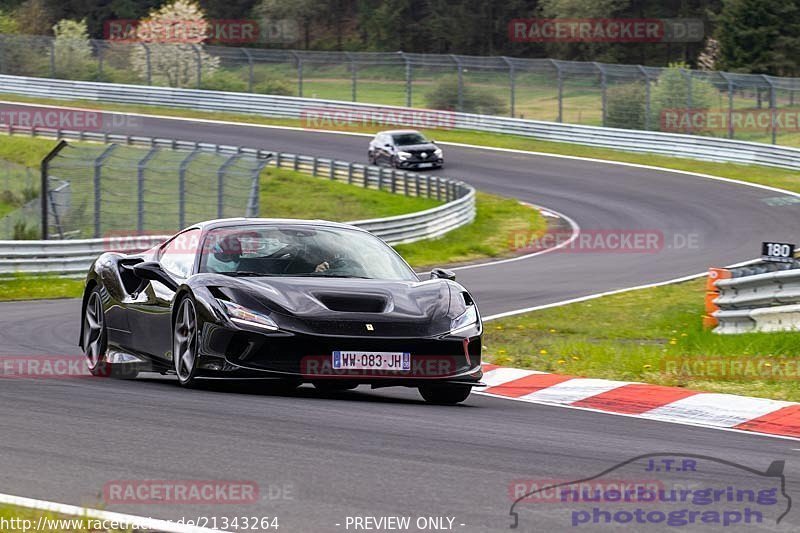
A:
x,y
396,132
246,221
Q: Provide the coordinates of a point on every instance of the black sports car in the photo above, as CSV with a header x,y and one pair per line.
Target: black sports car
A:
x,y
407,149
296,301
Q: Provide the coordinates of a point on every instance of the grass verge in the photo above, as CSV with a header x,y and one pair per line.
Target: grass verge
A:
x,y
650,335
775,177
39,287
25,519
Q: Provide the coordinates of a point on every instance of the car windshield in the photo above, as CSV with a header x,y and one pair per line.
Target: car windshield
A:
x,y
403,139
301,250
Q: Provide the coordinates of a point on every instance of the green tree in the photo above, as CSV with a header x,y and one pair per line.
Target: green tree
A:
x,y
759,36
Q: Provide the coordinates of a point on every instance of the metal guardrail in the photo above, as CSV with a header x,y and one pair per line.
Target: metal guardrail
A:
x,y
768,301
311,110
73,257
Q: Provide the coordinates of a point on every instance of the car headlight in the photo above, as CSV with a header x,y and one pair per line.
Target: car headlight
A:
x,y
464,321
242,315
403,155
438,152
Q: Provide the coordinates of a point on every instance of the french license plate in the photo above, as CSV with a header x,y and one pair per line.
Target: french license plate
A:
x,y
400,361
425,165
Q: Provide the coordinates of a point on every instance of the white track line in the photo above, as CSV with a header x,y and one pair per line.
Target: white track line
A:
x,y
96,514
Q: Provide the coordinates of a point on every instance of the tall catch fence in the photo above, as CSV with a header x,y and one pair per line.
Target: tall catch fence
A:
x,y
741,106
99,190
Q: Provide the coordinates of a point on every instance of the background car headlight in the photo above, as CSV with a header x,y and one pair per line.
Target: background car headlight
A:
x,y
243,315
438,152
403,155
465,321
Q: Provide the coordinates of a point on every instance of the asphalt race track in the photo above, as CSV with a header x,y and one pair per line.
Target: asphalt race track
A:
x,y
319,459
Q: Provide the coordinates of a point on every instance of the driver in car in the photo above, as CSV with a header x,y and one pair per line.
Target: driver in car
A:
x,y
227,254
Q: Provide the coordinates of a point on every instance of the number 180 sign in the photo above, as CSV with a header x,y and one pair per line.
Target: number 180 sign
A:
x,y
777,251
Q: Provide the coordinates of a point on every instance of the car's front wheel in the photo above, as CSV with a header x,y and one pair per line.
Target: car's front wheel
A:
x,y
445,394
184,343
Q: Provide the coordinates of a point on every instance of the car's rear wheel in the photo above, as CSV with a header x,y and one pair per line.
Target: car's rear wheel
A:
x,y
371,157
95,341
445,394
334,385
184,343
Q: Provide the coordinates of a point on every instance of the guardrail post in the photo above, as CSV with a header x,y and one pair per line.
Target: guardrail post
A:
x,y
140,168
393,185
349,173
98,165
249,57
408,78
314,164
182,187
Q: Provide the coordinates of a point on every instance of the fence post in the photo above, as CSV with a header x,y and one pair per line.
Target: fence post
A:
x,y
52,58
98,165
772,107
182,187
560,80
149,69
249,57
730,104
512,83
646,97
299,63
408,78
99,49
353,74
460,72
603,89
45,169
254,207
199,60
141,165
221,184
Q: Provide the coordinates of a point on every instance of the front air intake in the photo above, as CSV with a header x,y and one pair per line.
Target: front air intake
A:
x,y
354,303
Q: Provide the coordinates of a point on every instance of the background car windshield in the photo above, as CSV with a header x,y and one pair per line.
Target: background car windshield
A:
x,y
403,139
274,250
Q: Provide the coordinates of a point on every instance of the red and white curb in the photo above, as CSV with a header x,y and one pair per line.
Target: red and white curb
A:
x,y
654,402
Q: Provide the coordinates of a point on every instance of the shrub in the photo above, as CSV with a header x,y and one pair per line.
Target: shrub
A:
x,y
23,232
626,106
445,96
671,91
225,80
275,87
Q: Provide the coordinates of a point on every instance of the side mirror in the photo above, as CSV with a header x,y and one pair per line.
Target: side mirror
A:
x,y
389,146
151,270
432,141
441,273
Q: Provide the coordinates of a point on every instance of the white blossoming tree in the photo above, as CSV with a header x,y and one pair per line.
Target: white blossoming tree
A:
x,y
172,36
72,51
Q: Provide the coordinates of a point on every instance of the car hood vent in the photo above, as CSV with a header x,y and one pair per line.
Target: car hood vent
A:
x,y
353,303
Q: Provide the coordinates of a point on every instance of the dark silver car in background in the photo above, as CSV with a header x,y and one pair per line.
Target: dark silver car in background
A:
x,y
406,149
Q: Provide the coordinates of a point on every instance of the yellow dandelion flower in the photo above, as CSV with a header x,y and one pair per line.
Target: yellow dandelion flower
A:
x,y
543,352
